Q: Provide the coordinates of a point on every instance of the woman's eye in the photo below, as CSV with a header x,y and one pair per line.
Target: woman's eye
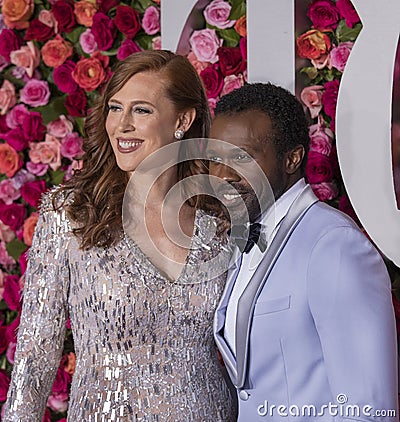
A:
x,y
214,158
114,108
141,110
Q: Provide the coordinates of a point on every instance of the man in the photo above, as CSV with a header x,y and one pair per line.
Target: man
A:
x,y
305,326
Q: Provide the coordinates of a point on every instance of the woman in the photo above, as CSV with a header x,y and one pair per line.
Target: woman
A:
x,y
141,320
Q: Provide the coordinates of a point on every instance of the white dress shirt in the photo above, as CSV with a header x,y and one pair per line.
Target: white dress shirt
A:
x,y
270,224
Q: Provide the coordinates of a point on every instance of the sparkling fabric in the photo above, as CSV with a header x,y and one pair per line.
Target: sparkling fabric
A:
x,y
144,344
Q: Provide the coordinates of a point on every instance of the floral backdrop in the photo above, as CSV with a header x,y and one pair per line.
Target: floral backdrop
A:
x,y
56,56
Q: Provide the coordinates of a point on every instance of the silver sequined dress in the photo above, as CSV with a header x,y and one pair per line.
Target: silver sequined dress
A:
x,y
143,344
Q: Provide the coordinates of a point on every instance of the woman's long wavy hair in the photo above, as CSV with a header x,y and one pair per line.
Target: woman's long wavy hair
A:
x,y
95,205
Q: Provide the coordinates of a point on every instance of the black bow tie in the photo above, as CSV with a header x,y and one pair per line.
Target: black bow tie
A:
x,y
245,237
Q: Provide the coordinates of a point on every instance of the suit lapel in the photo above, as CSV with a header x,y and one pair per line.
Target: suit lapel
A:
x,y
249,296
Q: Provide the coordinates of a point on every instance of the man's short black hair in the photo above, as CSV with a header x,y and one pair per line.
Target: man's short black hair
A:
x,y
287,115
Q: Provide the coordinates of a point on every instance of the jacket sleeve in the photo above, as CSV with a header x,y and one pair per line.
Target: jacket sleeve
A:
x,y
44,313
350,299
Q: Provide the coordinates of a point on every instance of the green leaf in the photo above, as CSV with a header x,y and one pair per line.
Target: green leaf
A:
x,y
238,9
52,110
80,123
74,35
344,33
230,36
311,72
15,248
56,176
144,41
112,52
142,5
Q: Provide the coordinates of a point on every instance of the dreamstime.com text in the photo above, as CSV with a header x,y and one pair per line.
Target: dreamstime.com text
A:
x,y
342,408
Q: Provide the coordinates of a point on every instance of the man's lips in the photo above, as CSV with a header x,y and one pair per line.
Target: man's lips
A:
x,y
126,145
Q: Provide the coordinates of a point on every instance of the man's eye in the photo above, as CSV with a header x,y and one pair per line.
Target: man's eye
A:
x,y
214,158
243,158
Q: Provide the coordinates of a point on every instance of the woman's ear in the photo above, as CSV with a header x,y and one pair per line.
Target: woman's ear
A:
x,y
293,159
186,119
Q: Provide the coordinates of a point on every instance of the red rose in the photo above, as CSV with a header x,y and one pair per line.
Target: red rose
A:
x,y
4,128
63,11
90,73
4,384
33,127
106,5
62,380
63,77
15,137
346,9
213,80
103,30
127,21
12,215
319,168
323,14
329,98
12,292
12,329
32,191
23,262
9,41
127,48
230,60
3,339
76,104
346,207
39,31
243,47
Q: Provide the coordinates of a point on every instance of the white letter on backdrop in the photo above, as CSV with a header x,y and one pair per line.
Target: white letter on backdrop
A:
x,y
363,122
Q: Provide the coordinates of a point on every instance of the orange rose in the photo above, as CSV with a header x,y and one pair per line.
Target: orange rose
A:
x,y
56,51
29,227
70,363
84,11
90,73
313,44
10,160
17,13
240,26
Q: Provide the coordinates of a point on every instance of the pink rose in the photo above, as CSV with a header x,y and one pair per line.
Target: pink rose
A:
x,y
151,20
35,93
16,116
38,169
346,9
217,14
8,191
32,191
340,54
12,215
63,77
329,97
71,146
156,43
103,30
7,96
231,83
27,57
4,384
212,80
212,103
3,63
12,292
9,42
325,191
311,97
204,44
323,61
320,139
60,127
11,352
47,152
6,261
22,177
88,42
6,234
198,65
47,18
127,48
319,168
323,14
58,402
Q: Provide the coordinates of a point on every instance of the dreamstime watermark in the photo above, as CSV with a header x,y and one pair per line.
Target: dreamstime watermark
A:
x,y
341,408
234,197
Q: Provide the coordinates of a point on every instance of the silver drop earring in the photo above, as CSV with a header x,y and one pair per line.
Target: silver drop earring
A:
x,y
179,134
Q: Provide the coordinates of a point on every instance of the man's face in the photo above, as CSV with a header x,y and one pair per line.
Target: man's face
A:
x,y
250,139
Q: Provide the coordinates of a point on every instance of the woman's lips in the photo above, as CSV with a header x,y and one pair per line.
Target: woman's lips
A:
x,y
126,145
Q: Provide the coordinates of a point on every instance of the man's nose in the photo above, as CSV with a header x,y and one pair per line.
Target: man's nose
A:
x,y
224,172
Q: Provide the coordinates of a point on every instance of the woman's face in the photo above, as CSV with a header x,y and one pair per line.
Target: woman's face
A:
x,y
141,119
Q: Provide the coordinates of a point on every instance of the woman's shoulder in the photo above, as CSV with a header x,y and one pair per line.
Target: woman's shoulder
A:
x,y
55,200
